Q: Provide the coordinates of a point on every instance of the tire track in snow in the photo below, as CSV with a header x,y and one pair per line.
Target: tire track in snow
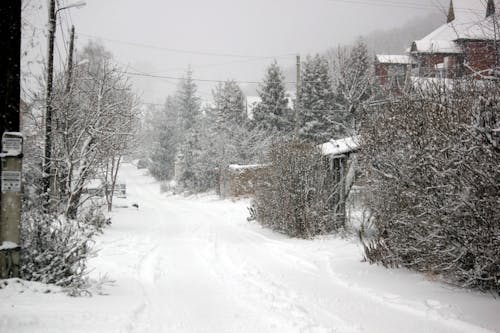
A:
x,y
429,311
263,290
286,281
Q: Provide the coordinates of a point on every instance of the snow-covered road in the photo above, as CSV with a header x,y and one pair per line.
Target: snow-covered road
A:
x,y
196,265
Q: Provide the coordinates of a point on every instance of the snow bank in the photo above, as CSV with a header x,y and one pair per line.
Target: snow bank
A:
x,y
196,265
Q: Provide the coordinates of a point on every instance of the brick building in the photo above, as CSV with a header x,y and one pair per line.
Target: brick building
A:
x,y
393,70
467,44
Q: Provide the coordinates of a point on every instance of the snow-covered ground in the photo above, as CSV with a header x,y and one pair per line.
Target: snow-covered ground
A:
x,y
196,265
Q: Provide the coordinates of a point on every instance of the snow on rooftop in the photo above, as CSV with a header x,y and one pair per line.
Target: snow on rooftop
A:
x,y
13,134
341,146
469,23
481,30
394,59
245,167
6,245
435,46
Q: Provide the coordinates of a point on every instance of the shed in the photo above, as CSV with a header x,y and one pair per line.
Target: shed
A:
x,y
341,156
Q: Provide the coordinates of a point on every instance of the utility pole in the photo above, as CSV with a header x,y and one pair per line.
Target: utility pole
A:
x,y
297,98
48,174
47,167
70,59
54,182
10,69
11,143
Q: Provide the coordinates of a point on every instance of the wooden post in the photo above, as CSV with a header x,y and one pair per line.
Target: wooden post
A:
x,y
70,59
11,212
342,189
10,69
10,72
47,165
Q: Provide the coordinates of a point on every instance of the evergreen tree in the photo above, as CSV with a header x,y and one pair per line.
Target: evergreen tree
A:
x,y
229,105
190,123
360,64
316,101
227,119
164,132
188,103
273,113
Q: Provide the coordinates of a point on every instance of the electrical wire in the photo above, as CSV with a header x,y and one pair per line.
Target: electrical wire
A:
x,y
148,75
182,51
63,35
222,64
393,4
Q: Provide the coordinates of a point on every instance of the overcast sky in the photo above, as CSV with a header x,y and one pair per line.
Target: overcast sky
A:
x,y
225,39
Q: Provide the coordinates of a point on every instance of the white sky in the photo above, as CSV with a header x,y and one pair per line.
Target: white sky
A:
x,y
254,30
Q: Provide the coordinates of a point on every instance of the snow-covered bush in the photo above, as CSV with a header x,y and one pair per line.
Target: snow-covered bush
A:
x,y
432,166
295,195
94,217
55,250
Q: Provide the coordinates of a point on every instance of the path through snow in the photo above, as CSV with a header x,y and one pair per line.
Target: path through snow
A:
x,y
196,265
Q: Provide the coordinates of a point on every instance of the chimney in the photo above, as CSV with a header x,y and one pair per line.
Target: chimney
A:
x,y
451,13
490,8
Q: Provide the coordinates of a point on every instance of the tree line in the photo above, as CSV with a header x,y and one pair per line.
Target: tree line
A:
x,y
198,142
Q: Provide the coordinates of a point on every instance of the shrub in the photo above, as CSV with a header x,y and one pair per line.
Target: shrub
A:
x,y
55,250
433,178
94,217
294,196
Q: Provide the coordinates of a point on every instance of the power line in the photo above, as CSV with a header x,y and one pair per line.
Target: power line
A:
x,y
60,54
173,50
194,79
63,36
393,4
385,4
246,60
223,63
67,13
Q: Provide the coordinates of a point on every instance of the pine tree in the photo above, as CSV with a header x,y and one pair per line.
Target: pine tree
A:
x,y
273,113
164,129
359,58
188,103
229,105
316,101
189,152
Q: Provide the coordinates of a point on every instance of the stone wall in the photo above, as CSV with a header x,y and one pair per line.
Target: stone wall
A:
x,y
239,180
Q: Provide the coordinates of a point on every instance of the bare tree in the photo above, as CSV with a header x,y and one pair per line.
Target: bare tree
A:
x,y
93,122
353,84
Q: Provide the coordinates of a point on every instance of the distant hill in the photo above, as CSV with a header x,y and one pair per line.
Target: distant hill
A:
x,y
397,40
393,41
